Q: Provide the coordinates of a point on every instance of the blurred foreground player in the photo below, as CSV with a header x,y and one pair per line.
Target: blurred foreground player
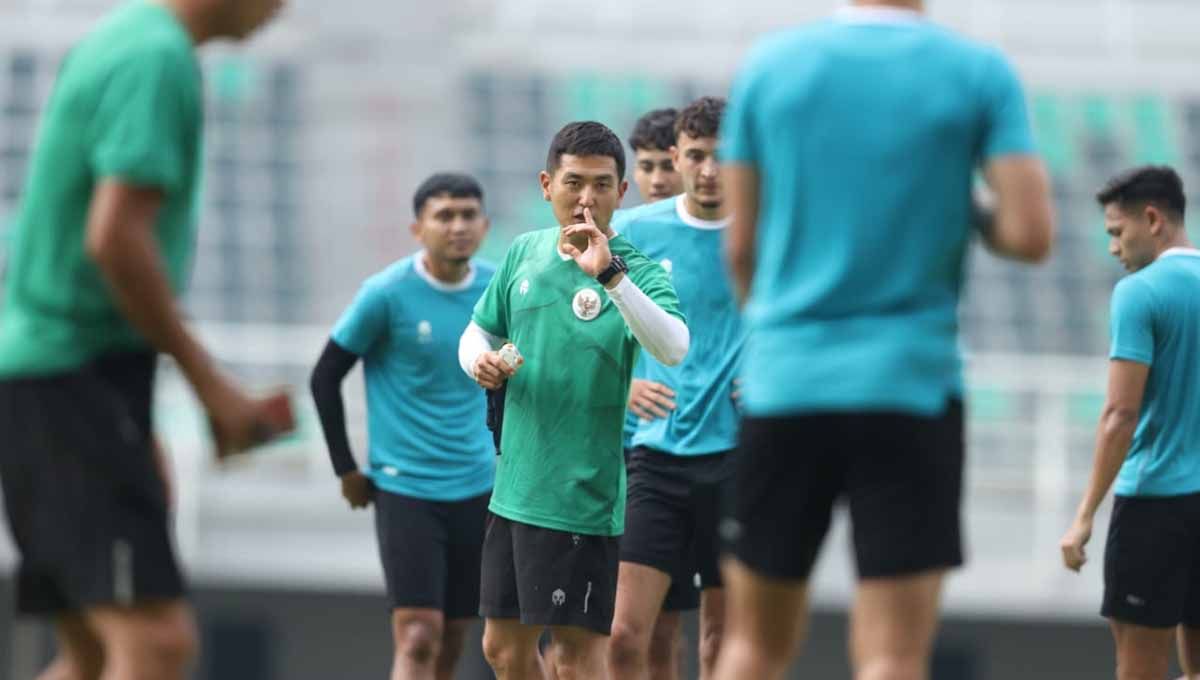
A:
x,y
101,248
431,460
577,301
1148,439
850,147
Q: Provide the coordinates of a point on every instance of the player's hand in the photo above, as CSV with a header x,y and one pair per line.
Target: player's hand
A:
x,y
240,422
597,256
649,400
357,489
491,371
1073,543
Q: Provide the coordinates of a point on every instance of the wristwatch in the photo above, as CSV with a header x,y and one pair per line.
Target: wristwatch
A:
x,y
616,266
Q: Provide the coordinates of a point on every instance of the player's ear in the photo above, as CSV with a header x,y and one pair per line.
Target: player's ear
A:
x,y
545,179
622,188
415,229
674,151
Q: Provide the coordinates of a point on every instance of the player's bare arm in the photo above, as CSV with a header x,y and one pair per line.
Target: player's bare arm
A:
x,y
1118,420
1020,222
120,239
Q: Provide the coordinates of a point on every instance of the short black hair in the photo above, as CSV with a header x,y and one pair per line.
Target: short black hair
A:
x,y
701,118
1157,185
654,131
457,185
586,138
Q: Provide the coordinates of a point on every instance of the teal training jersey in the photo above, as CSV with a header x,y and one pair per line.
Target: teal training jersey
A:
x,y
426,420
705,419
866,130
1156,321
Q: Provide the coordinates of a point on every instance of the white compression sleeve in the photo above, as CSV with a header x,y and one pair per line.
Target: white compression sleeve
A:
x,y
665,337
474,342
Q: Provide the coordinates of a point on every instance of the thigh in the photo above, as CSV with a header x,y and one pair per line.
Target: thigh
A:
x,y
1147,563
905,492
1142,652
412,547
895,619
499,598
787,475
658,521
565,579
467,526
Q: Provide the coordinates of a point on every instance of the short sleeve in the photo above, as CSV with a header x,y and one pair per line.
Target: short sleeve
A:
x,y
1132,322
365,322
491,311
144,121
1007,129
739,138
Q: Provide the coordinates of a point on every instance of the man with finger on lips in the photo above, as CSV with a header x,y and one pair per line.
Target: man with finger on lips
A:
x,y
578,302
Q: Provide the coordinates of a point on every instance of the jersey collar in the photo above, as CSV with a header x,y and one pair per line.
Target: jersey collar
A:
x,y
1186,252
688,219
857,14
419,267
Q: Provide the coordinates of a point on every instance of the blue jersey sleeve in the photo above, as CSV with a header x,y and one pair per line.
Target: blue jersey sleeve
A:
x,y
365,322
1132,322
1006,117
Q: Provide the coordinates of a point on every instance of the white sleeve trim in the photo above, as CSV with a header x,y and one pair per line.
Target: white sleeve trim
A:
x,y
474,342
665,337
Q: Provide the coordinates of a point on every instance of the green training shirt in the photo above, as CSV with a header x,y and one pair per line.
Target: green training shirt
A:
x,y
127,105
562,466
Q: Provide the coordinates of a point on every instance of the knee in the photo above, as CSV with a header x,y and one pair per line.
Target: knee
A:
x,y
174,645
710,646
626,645
893,668
500,655
419,641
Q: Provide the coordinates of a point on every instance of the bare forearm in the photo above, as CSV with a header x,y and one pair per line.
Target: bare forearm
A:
x,y
1112,446
130,265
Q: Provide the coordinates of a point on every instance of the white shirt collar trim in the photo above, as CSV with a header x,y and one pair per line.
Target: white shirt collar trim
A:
x,y
688,219
856,14
419,267
1187,252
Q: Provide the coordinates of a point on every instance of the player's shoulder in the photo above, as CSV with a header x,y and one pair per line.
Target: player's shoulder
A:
x,y
484,270
532,239
1138,288
399,272
137,34
646,215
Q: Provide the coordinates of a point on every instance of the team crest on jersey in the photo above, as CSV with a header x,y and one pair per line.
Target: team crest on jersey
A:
x,y
586,304
424,332
524,287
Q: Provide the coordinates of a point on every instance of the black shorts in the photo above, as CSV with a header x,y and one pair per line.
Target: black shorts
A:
x,y
431,551
902,476
85,501
546,577
1152,561
671,517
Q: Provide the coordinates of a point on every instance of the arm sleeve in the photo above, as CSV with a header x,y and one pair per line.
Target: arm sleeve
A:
x,y
664,336
144,123
1132,323
491,312
1007,130
326,384
475,341
365,322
